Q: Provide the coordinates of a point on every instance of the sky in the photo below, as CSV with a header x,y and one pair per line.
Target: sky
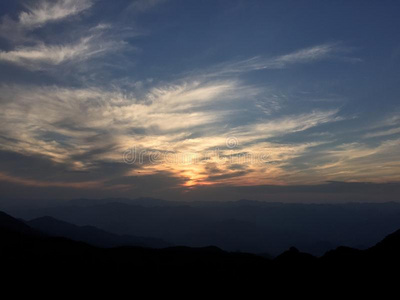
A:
x,y
195,99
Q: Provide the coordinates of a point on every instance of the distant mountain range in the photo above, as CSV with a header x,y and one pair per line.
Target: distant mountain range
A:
x,y
91,235
245,225
23,249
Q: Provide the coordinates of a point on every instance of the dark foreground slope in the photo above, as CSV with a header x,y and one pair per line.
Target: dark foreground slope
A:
x,y
31,255
26,255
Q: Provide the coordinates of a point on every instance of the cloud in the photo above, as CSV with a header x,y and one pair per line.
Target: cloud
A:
x,y
84,129
46,11
38,14
41,183
291,124
42,12
355,162
382,133
43,56
33,53
80,127
44,178
389,125
73,117
301,56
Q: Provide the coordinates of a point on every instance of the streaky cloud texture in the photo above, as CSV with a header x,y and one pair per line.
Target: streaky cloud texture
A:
x,y
181,99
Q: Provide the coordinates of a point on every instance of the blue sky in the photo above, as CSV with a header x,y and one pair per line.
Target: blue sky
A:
x,y
170,98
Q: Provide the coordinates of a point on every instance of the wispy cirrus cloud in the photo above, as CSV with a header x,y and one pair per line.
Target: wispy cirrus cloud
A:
x,y
80,127
46,11
389,125
301,56
363,162
41,12
74,116
29,50
94,100
42,56
292,123
306,55
38,14
84,128
382,133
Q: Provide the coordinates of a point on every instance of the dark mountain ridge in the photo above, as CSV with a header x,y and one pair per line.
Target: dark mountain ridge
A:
x,y
91,234
22,250
247,226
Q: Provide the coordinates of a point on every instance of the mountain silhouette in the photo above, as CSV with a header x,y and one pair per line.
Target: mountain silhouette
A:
x,y
91,234
8,223
247,226
24,249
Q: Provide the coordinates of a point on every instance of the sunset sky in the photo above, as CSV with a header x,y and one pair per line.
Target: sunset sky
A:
x,y
196,99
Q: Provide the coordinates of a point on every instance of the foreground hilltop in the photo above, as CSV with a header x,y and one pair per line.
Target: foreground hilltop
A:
x,y
24,250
